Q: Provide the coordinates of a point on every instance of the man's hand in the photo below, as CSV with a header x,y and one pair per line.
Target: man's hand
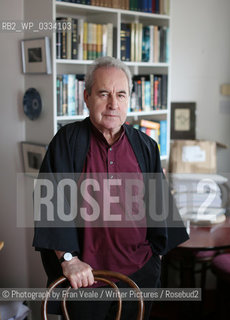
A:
x,y
77,272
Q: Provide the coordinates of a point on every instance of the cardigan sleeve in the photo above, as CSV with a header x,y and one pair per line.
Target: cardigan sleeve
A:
x,y
61,160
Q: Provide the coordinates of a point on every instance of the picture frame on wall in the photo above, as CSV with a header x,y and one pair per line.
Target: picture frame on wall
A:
x,y
33,155
36,56
183,120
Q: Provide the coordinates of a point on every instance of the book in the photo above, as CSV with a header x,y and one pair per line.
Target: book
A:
x,y
61,37
59,95
150,124
85,40
164,91
74,39
65,94
68,39
104,40
90,32
110,40
125,41
58,42
133,56
99,41
80,38
163,137
71,94
146,44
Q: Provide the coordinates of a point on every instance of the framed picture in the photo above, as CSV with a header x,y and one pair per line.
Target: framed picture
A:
x,y
33,155
36,56
183,120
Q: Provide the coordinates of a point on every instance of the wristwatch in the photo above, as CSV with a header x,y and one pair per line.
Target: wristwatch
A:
x,y
67,256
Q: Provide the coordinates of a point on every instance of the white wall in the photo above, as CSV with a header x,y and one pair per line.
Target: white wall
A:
x,y
200,62
13,256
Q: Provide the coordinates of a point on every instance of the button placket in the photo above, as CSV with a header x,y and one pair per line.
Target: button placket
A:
x,y
110,162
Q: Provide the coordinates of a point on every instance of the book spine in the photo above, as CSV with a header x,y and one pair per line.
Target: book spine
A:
x,y
59,96
152,91
81,86
159,95
151,43
156,83
143,94
147,96
163,137
164,91
71,95
140,36
125,41
65,94
69,39
146,44
156,44
90,42
76,96
94,42
99,41
58,41
85,41
80,38
74,39
110,40
104,39
133,42
150,124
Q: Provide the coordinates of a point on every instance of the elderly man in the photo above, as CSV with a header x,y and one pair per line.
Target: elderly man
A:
x,y
103,143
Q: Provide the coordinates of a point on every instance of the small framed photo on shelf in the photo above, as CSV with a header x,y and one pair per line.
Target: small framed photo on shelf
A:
x,y
33,155
36,57
183,120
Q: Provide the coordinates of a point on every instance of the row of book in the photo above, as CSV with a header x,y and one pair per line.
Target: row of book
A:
x,y
157,130
70,95
151,6
144,43
149,93
85,40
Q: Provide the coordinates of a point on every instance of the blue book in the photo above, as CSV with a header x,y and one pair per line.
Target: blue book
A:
x,y
150,7
147,96
125,37
163,137
146,44
71,95
157,6
145,5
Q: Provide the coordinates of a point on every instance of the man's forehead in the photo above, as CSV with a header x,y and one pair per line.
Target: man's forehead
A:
x,y
105,77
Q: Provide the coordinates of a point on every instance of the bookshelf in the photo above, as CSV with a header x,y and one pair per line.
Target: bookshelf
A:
x,y
47,125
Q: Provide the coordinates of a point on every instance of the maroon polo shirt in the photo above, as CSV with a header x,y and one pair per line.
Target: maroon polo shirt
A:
x,y
118,247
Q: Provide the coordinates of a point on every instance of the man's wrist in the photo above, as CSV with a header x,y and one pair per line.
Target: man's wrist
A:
x,y
67,256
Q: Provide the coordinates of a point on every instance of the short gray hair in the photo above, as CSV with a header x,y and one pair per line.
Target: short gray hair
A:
x,y
106,62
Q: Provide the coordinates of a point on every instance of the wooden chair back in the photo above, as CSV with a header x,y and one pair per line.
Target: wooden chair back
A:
x,y
104,276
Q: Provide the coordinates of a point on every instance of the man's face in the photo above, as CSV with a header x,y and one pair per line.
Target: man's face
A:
x,y
108,102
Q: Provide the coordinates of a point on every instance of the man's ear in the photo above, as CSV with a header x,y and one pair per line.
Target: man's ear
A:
x,y
86,95
86,98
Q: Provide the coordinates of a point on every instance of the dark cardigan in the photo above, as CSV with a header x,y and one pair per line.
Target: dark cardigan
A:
x,y
66,154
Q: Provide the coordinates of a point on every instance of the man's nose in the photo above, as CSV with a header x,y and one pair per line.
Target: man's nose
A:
x,y
112,101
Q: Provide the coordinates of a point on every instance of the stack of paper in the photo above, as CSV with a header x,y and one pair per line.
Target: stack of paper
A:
x,y
199,197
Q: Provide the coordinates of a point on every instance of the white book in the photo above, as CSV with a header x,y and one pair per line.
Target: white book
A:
x,y
110,39
80,38
104,39
151,51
